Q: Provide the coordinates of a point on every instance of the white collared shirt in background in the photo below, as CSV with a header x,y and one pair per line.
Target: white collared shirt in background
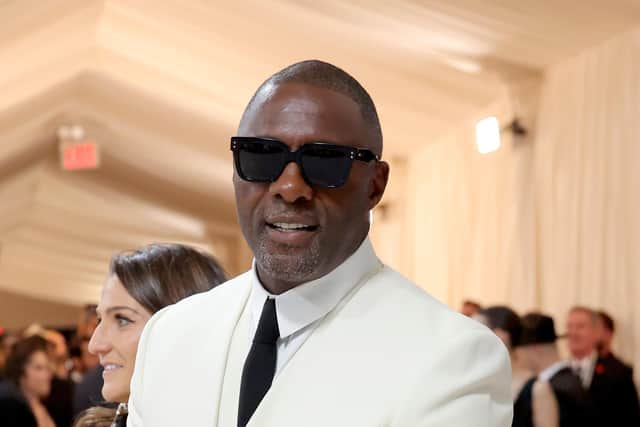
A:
x,y
585,367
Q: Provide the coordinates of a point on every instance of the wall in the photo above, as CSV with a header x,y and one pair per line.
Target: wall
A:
x,y
549,221
17,312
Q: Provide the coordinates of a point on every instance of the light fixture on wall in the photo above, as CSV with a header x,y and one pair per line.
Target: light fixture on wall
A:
x,y
488,133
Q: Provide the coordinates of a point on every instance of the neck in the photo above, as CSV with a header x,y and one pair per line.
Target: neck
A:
x,y
547,356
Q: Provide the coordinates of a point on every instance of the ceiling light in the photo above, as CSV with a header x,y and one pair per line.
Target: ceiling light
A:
x,y
488,135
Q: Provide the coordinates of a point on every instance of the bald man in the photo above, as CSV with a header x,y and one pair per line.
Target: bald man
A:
x,y
319,332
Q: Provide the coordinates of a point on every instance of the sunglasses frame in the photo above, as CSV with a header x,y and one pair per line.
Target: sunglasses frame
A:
x,y
354,153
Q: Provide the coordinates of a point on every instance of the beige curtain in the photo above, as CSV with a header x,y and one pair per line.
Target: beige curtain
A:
x,y
587,157
549,221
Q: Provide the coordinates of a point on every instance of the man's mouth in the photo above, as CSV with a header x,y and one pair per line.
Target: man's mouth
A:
x,y
289,227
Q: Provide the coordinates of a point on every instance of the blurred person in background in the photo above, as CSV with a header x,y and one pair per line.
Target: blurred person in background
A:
x,y
581,341
505,323
83,360
86,371
610,385
59,402
28,381
139,284
554,397
605,330
3,353
58,352
470,308
88,321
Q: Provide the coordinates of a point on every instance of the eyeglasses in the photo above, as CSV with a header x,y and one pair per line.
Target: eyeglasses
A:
x,y
322,165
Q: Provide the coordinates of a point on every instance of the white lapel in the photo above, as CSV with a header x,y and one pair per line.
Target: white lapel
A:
x,y
214,330
238,350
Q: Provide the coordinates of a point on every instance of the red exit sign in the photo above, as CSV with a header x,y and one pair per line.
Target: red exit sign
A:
x,y
79,155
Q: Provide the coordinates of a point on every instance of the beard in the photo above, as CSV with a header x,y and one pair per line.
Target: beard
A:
x,y
289,264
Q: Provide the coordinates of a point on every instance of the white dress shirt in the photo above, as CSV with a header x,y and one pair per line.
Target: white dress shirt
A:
x,y
584,368
300,309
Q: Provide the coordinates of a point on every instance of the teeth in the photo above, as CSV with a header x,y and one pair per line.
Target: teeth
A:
x,y
286,226
111,367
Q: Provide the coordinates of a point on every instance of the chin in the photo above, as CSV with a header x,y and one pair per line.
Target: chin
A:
x,y
114,394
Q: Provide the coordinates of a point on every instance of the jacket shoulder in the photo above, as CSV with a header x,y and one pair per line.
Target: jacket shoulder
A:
x,y
200,307
413,305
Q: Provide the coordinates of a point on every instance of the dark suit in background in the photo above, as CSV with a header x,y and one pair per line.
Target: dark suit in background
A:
x,y
88,392
613,393
573,404
59,403
14,409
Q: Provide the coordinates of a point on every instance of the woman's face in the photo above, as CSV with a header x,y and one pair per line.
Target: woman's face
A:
x,y
36,380
115,339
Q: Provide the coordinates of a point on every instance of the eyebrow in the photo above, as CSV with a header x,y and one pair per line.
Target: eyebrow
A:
x,y
120,307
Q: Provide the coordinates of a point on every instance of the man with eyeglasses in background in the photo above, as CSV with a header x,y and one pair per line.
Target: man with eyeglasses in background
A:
x,y
319,332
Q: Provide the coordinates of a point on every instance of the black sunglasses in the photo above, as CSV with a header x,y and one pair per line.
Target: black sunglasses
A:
x,y
322,165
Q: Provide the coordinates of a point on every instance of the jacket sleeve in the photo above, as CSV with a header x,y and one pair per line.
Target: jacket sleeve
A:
x,y
468,386
138,405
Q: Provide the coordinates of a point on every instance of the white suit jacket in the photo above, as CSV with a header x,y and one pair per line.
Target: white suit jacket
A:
x,y
387,355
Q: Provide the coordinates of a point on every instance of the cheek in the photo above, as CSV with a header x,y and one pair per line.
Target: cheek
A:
x,y
345,207
248,197
130,345
38,378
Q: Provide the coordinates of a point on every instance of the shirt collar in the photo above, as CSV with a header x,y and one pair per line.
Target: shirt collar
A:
x,y
308,302
585,362
549,372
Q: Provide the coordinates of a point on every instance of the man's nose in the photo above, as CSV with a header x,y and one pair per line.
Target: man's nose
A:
x,y
291,186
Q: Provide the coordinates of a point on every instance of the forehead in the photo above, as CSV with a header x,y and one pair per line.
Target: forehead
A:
x,y
580,316
297,113
38,357
114,294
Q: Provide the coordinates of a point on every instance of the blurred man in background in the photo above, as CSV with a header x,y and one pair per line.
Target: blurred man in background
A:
x,y
87,372
610,386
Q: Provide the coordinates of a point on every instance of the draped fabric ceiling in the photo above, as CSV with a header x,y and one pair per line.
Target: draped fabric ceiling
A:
x,y
160,85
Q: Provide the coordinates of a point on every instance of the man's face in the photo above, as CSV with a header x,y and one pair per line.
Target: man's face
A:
x,y
336,220
581,334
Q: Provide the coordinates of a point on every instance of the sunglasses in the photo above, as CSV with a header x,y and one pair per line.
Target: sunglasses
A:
x,y
322,165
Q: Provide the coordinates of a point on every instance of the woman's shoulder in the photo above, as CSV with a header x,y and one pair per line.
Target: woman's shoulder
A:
x,y
15,411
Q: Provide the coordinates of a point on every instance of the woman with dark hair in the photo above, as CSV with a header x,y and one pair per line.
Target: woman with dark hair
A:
x,y
139,284
28,380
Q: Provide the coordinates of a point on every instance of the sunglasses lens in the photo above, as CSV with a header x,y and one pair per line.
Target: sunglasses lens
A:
x,y
326,166
260,161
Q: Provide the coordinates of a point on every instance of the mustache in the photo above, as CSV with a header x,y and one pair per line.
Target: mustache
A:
x,y
291,212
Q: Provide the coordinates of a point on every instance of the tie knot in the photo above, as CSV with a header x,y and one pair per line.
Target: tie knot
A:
x,y
268,331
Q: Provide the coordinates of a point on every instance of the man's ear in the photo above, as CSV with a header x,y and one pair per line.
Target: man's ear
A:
x,y
378,183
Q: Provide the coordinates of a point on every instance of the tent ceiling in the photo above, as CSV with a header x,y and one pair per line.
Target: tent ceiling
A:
x,y
161,85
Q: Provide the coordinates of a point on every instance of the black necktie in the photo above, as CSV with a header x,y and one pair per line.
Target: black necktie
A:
x,y
260,366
